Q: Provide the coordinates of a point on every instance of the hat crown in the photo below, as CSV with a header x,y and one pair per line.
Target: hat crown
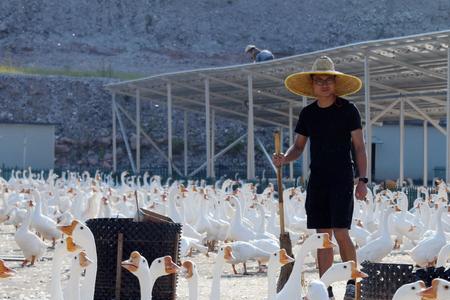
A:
x,y
323,63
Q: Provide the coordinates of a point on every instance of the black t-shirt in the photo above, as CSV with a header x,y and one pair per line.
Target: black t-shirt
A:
x,y
329,131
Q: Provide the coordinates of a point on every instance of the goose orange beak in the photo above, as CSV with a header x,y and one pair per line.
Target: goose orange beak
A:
x,y
132,264
188,267
228,253
85,261
284,258
422,284
431,292
69,228
71,246
170,266
327,243
357,273
5,271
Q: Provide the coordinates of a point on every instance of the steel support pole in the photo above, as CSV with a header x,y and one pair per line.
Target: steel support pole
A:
x,y
213,135
368,126
185,126
250,131
125,140
425,153
402,141
221,152
207,129
138,131
447,159
114,133
291,141
305,165
169,128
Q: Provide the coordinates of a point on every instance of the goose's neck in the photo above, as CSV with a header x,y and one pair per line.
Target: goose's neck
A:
x,y
329,277
440,230
385,230
38,209
73,286
215,286
146,283
56,291
26,222
271,282
293,282
262,222
238,214
193,288
88,286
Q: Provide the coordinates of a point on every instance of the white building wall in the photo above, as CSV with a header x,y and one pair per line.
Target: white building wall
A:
x,y
388,152
25,145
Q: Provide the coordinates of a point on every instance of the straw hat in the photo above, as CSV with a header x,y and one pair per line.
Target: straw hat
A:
x,y
301,83
249,47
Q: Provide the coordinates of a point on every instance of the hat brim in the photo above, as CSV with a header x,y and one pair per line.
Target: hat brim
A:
x,y
301,83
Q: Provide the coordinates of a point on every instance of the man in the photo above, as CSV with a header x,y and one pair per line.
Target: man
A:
x,y
332,124
258,55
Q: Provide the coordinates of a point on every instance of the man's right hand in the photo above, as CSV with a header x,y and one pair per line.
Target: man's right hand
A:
x,y
278,159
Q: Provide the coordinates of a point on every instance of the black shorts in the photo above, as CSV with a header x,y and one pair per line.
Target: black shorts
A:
x,y
329,205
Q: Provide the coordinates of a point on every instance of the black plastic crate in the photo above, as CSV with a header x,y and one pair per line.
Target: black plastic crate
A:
x,y
384,279
428,274
151,239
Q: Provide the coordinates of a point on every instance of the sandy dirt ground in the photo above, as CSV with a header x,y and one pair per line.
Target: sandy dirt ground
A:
x,y
34,282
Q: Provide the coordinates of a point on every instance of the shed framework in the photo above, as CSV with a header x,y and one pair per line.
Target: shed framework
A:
x,y
405,79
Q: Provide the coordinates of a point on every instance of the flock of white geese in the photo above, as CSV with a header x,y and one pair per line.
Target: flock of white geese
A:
x,y
229,217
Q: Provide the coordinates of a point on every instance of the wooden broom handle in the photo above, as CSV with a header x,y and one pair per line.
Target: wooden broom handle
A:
x,y
277,138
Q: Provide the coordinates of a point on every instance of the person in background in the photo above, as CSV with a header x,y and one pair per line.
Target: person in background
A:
x,y
258,55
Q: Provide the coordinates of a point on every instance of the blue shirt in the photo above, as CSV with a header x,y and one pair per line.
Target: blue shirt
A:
x,y
264,55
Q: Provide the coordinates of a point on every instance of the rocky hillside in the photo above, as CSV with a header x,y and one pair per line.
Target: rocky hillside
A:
x,y
153,36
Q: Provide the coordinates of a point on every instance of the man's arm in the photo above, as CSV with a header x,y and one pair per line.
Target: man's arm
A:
x,y
293,152
360,152
361,162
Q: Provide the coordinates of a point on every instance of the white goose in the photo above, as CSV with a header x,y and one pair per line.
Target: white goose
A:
x,y
244,251
341,272
62,248
317,291
377,249
276,261
426,252
410,291
238,231
187,244
42,223
30,244
146,275
5,271
439,290
225,253
443,256
292,288
83,236
190,272
79,263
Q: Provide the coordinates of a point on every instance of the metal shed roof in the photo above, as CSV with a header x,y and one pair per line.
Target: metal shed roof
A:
x,y
411,67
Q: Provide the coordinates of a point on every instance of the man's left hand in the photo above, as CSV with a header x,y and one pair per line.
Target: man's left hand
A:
x,y
361,190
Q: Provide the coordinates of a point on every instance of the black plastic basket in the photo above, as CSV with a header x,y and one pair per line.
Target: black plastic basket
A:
x,y
428,274
384,279
151,239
